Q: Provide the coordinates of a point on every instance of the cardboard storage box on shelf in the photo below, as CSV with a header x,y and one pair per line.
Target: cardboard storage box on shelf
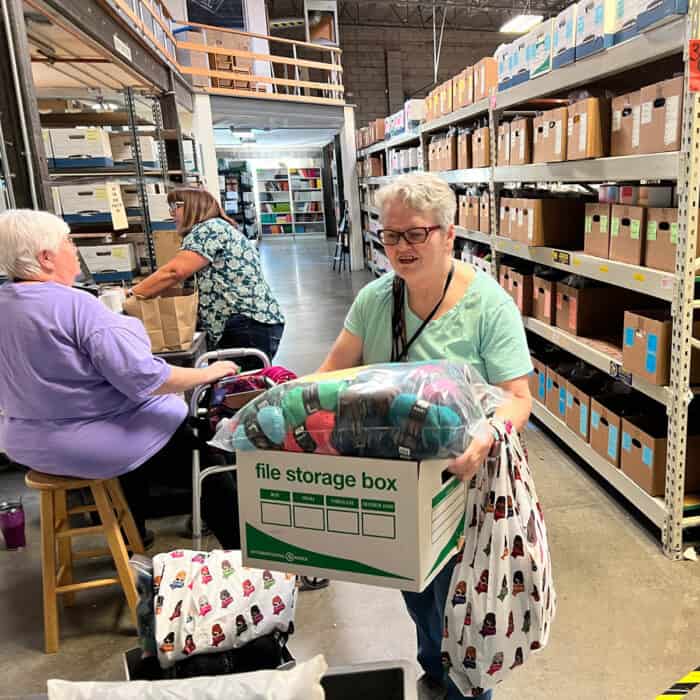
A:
x,y
159,211
413,114
110,263
608,194
464,149
235,42
621,21
485,78
460,98
521,141
579,310
662,239
588,132
462,210
83,204
660,116
379,130
122,153
549,139
446,97
653,13
537,380
519,287
519,66
485,212
644,451
503,157
596,239
130,198
627,231
556,223
375,166
605,428
544,294
449,151
502,58
167,245
48,148
81,148
472,213
388,523
556,394
590,27
481,150
564,37
504,216
578,410
625,131
540,49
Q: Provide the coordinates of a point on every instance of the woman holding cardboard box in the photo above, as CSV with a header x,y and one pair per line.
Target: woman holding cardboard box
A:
x,y
80,391
434,307
236,306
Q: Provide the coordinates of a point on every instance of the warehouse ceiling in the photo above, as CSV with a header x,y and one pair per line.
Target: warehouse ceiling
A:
x,y
474,15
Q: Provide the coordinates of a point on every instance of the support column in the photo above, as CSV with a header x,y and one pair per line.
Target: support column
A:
x,y
204,134
350,185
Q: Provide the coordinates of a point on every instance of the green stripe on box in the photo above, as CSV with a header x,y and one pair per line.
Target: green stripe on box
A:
x,y
308,498
260,545
381,506
339,502
449,488
449,545
273,495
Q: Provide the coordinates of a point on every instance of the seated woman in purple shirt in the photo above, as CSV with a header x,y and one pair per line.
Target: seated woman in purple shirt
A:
x,y
80,392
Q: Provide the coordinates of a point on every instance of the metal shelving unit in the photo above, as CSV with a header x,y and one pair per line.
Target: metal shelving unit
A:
x,y
660,43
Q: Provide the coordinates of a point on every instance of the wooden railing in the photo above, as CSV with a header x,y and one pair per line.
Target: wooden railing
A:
x,y
220,61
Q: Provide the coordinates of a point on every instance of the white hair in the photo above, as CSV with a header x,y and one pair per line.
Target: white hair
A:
x,y
424,193
24,233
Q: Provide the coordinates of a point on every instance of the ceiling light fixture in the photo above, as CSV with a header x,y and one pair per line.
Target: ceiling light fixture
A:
x,y
521,24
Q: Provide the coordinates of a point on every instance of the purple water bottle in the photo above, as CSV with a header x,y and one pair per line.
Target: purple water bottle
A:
x,y
12,524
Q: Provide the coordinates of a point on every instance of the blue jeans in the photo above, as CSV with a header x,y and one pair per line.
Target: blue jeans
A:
x,y
244,332
426,610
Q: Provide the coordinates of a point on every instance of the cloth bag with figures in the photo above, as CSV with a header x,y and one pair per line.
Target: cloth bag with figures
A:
x,y
502,601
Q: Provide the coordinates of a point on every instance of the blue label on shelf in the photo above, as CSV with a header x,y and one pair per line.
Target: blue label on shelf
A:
x,y
652,345
540,386
626,442
569,399
612,441
629,337
599,15
595,420
583,423
562,401
647,455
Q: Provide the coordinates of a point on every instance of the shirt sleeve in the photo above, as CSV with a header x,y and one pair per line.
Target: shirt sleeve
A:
x,y
205,240
355,322
504,344
124,358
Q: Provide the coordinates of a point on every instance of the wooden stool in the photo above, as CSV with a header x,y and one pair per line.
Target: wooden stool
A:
x,y
115,517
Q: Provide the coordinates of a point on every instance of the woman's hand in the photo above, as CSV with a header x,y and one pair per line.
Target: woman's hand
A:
x,y
468,463
219,370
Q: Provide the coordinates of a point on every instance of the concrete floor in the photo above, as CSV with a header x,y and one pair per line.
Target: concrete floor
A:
x,y
625,626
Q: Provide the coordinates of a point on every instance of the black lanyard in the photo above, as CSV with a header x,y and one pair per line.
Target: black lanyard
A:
x,y
399,349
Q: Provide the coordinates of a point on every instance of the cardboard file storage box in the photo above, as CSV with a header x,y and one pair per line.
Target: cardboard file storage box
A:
x,y
464,149
122,153
449,151
588,131
446,97
413,114
481,152
379,130
472,213
556,394
590,27
463,89
578,410
644,450
556,223
503,157
661,239
521,141
84,204
518,286
627,230
606,425
110,263
549,137
624,136
537,380
485,212
130,198
596,239
591,311
502,56
544,293
462,210
621,21
540,49
81,148
159,211
564,37
653,12
386,523
485,78
519,66
504,217
660,116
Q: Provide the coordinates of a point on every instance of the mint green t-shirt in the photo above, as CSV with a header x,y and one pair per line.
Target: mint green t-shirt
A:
x,y
483,329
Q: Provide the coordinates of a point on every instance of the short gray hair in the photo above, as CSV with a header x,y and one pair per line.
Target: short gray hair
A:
x,y
424,193
24,233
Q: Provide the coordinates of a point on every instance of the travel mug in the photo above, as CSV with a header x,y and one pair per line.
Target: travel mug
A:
x,y
12,524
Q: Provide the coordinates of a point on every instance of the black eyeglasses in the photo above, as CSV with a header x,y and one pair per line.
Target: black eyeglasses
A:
x,y
418,234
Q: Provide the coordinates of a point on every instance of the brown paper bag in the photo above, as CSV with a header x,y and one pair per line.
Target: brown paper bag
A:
x,y
170,320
